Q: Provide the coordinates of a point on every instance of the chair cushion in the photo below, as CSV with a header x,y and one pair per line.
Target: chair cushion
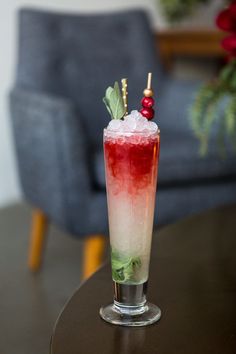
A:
x,y
180,161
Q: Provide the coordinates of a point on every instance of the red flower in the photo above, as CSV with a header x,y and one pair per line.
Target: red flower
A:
x,y
226,21
229,44
232,10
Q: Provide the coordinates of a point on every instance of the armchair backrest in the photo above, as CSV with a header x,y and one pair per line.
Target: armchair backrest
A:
x,y
78,56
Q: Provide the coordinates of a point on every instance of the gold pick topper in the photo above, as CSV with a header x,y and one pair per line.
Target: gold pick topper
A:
x,y
148,92
124,83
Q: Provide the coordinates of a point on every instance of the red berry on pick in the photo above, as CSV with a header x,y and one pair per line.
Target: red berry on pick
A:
x,y
147,102
147,113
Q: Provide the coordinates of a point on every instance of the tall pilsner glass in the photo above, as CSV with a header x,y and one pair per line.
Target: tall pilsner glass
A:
x,y
131,161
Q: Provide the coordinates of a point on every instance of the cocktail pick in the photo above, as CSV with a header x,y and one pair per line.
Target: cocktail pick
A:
x,y
124,83
147,101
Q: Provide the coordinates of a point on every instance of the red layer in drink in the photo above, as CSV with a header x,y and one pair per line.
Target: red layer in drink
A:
x,y
131,162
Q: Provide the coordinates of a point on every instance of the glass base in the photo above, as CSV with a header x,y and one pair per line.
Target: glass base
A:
x,y
132,316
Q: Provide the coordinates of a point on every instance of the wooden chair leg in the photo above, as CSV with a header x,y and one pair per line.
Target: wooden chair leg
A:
x,y
37,239
92,254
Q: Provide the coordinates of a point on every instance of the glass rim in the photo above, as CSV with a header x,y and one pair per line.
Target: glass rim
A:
x,y
141,133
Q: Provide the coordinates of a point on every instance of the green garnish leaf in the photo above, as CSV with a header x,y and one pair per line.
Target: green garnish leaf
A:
x,y
114,102
107,105
124,268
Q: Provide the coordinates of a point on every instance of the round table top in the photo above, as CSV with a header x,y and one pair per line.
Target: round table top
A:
x,y
193,281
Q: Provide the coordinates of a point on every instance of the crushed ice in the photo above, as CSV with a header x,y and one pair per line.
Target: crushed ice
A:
x,y
134,122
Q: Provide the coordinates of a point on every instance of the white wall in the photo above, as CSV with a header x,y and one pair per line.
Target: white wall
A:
x,y
9,186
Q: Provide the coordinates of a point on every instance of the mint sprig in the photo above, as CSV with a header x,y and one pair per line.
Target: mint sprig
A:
x,y
124,268
114,102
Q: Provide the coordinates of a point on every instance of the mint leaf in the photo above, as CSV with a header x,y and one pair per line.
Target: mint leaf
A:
x,y
107,105
124,268
114,102
106,99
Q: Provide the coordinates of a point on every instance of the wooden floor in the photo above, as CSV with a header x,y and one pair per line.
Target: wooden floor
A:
x,y
30,303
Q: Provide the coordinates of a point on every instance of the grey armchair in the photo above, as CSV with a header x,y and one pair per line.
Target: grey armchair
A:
x,y
65,63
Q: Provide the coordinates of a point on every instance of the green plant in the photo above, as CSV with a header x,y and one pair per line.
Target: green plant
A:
x,y
205,111
175,10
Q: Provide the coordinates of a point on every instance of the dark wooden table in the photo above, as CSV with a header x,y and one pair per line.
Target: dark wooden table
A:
x,y
193,280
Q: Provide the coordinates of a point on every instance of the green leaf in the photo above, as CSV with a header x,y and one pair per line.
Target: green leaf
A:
x,y
206,113
233,81
230,117
124,268
114,102
107,105
108,92
226,72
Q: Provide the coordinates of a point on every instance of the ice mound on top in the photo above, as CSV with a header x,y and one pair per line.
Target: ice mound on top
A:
x,y
134,122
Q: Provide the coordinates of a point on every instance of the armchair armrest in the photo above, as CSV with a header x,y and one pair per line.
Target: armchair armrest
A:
x,y
52,153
